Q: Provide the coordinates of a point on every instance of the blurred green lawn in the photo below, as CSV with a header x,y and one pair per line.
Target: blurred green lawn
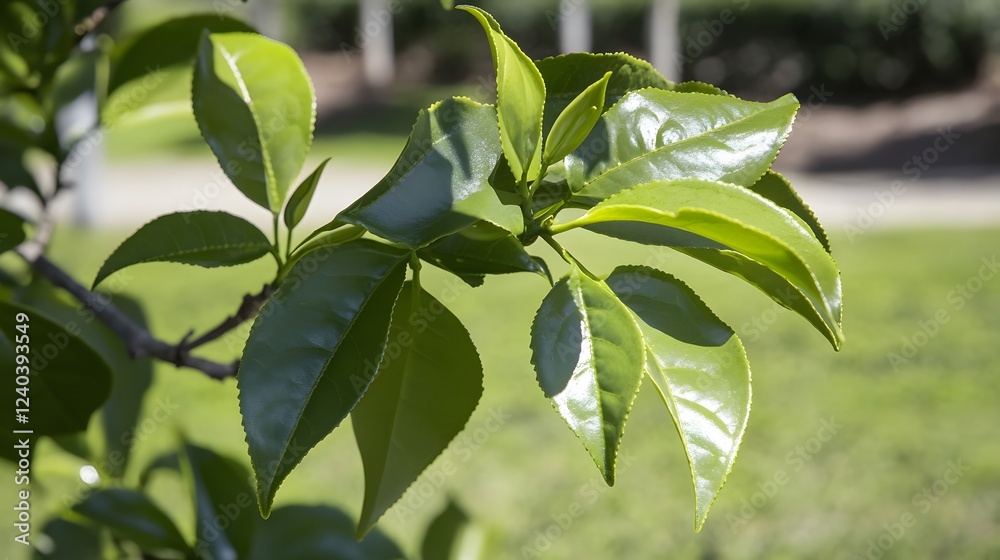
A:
x,y
896,431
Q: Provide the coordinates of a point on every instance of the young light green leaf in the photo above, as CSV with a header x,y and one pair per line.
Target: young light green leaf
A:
x,y
312,352
776,188
427,386
221,489
11,230
576,121
655,134
440,184
568,75
588,354
452,535
700,370
520,99
482,249
699,87
318,533
256,108
201,238
300,199
66,388
131,516
733,218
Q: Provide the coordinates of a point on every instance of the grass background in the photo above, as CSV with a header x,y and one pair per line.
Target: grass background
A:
x,y
896,433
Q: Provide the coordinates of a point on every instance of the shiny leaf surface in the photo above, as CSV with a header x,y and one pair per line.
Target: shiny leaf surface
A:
x,y
576,121
482,249
699,368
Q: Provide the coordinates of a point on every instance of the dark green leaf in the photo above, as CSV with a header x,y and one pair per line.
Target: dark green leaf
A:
x,y
11,230
313,351
170,44
201,238
300,199
700,369
654,134
428,384
132,516
318,533
520,99
479,250
440,184
224,503
256,108
66,540
13,171
735,230
589,357
566,76
325,241
575,122
452,535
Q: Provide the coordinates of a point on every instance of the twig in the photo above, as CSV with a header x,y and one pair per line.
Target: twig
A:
x,y
96,18
138,341
247,310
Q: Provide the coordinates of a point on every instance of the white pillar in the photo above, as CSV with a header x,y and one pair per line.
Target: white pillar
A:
x,y
664,41
376,42
574,26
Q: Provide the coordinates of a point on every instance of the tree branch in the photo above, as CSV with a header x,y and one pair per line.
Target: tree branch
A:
x,y
247,310
138,341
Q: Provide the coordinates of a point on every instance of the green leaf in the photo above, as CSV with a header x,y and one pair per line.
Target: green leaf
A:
x,y
700,369
68,380
132,516
13,171
482,249
300,199
324,241
699,87
520,99
221,489
452,535
201,238
654,134
440,184
737,219
588,354
171,44
576,121
427,386
318,533
11,230
312,352
22,120
69,541
776,188
256,108
567,76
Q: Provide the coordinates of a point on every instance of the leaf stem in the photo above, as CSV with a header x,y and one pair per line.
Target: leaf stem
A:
x,y
416,265
566,255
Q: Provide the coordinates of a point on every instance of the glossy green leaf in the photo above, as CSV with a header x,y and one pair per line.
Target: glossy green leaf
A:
x,y
776,188
452,535
312,352
655,134
221,490
440,184
427,386
68,540
68,380
700,369
736,219
520,99
132,516
11,230
170,44
298,203
699,87
568,75
589,357
576,121
482,249
256,108
318,533
325,241
201,238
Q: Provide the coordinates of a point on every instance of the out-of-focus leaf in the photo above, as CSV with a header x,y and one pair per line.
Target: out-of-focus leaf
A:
x,y
452,535
11,230
318,533
62,539
224,504
132,516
